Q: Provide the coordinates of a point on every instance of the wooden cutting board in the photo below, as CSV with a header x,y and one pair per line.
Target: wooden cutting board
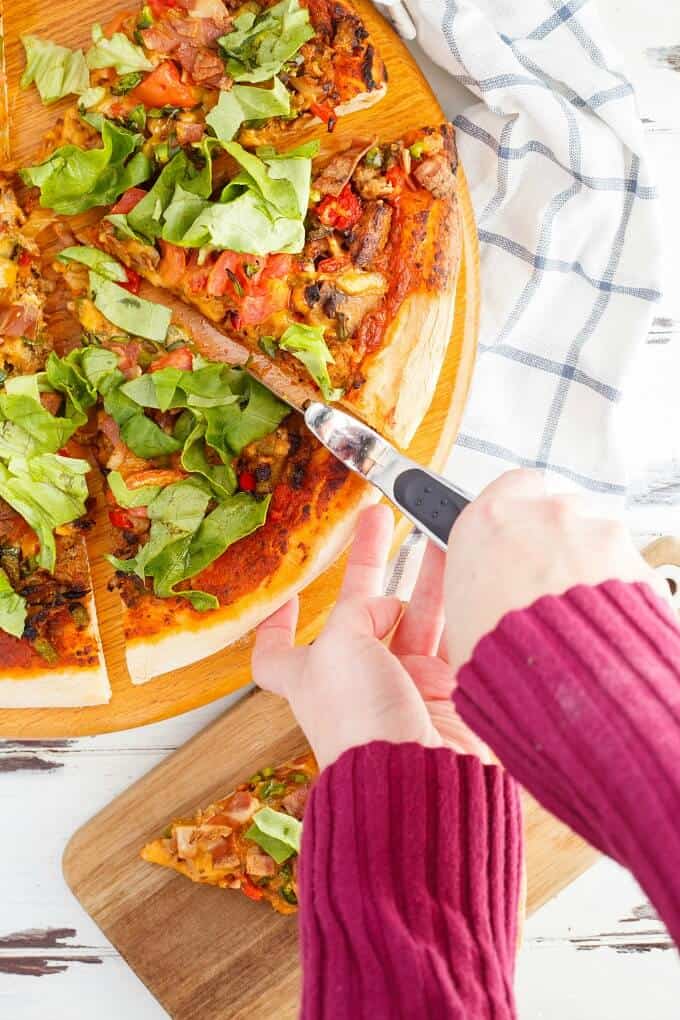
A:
x,y
210,953
409,103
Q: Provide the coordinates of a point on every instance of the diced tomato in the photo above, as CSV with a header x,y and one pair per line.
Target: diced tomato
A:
x,y
276,266
247,481
181,358
133,281
25,258
117,22
325,113
128,200
341,212
334,265
163,87
257,307
399,179
173,263
121,519
232,274
251,890
121,108
159,7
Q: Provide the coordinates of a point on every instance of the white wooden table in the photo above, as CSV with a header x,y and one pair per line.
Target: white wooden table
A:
x,y
596,952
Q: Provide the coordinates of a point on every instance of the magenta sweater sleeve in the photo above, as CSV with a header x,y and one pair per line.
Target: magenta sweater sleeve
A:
x,y
579,696
409,877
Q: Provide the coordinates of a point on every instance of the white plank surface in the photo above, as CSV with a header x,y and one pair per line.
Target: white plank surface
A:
x,y
595,952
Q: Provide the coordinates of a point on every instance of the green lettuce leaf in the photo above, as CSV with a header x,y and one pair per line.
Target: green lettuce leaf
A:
x,y
49,432
259,45
128,498
221,476
56,70
209,385
133,314
307,344
65,376
278,834
245,102
12,608
102,263
47,491
73,180
91,97
117,52
140,433
234,426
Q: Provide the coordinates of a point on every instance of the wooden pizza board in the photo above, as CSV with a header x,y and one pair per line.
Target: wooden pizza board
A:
x,y
409,103
210,952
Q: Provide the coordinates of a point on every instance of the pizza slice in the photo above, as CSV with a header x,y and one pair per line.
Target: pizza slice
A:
x,y
222,502
49,645
249,840
174,73
342,272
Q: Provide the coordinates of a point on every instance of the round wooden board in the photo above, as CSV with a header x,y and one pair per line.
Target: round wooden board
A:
x,y
409,103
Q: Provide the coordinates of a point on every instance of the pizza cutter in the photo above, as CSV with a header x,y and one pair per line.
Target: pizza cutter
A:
x,y
431,502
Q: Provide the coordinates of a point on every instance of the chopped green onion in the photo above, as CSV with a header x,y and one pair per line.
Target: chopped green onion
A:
x,y
267,344
46,650
267,772
145,19
126,83
373,157
300,777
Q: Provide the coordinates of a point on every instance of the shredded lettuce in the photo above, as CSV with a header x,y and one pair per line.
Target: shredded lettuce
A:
x,y
246,102
140,433
56,70
278,834
128,498
90,97
260,44
72,180
12,608
133,314
307,344
102,263
117,52
183,541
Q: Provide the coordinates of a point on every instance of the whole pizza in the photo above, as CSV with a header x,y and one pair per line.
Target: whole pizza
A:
x,y
178,242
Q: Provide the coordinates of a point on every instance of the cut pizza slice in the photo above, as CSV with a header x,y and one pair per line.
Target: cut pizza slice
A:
x,y
223,505
343,273
249,840
172,75
49,645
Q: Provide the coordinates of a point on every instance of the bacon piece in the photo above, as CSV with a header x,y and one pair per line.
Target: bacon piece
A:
x,y
436,175
188,133
19,320
51,401
128,355
208,69
161,37
154,476
241,807
371,233
294,802
338,171
259,864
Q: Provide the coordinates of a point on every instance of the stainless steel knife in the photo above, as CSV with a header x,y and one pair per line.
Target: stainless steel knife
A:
x,y
432,503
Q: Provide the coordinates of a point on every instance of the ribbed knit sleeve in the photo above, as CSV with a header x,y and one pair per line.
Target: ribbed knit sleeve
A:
x,y
409,878
579,696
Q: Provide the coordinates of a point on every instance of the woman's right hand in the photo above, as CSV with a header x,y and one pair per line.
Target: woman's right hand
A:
x,y
515,543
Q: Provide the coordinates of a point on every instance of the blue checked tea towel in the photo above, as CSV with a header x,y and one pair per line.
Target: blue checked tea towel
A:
x,y
553,150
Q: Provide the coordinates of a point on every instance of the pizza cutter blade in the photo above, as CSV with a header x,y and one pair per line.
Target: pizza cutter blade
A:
x,y
427,499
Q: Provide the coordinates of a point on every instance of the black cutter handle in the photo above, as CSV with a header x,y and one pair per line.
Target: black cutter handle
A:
x,y
430,502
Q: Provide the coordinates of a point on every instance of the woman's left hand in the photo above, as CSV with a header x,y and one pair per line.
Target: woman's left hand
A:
x,y
352,685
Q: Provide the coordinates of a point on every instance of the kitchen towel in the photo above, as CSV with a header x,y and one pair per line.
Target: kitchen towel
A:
x,y
553,150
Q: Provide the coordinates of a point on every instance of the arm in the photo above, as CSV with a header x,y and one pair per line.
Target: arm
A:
x,y
579,695
580,698
410,878
411,856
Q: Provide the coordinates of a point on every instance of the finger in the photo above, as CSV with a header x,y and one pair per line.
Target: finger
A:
x,y
365,572
420,629
520,483
274,658
433,678
374,618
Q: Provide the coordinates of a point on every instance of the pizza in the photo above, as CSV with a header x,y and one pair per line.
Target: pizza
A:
x,y
249,840
175,253
49,643
222,504
353,290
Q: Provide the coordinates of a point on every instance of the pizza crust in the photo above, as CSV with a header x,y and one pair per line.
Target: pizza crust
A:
x,y
362,101
403,376
53,688
148,658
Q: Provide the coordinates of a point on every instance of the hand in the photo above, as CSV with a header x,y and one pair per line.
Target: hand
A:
x,y
516,543
350,687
